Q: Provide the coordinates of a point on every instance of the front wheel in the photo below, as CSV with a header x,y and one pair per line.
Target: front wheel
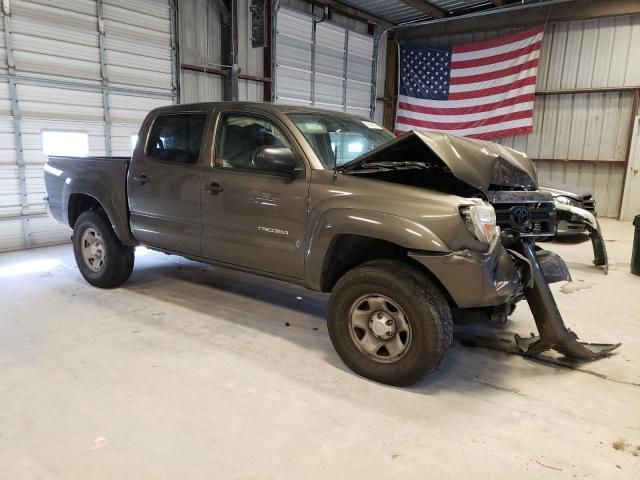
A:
x,y
389,322
102,259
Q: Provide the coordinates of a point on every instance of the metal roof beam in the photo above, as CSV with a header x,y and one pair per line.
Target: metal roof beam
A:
x,y
349,11
426,7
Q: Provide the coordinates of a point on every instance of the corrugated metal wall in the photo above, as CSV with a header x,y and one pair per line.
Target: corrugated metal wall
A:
x,y
330,67
200,30
580,137
79,65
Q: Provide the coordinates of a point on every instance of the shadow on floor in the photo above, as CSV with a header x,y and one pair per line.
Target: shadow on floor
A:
x,y
294,314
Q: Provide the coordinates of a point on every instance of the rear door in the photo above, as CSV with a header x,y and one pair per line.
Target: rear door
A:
x,y
164,183
252,218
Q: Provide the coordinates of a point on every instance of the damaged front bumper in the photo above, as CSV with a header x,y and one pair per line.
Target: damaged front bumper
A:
x,y
475,279
575,215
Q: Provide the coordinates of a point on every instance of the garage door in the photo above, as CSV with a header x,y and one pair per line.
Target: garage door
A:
x,y
330,67
76,77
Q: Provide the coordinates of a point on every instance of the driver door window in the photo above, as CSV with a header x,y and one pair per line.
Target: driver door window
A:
x,y
240,136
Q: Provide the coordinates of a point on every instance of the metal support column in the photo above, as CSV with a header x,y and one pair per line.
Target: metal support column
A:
x,y
105,79
345,69
275,5
175,77
17,129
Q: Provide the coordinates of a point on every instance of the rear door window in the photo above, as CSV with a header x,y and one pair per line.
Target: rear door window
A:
x,y
176,138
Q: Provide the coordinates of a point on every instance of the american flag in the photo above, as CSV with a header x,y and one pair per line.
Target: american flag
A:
x,y
480,90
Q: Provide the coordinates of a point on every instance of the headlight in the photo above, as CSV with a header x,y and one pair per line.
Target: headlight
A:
x,y
480,220
567,201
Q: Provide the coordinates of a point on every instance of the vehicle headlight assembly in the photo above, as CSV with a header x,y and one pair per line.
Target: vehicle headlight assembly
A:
x,y
480,220
567,201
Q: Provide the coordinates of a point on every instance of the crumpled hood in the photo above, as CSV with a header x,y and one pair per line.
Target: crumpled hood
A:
x,y
479,163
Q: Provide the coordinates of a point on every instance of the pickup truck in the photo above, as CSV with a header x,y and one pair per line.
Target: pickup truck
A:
x,y
406,233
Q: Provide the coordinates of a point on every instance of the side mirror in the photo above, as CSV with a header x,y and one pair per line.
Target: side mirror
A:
x,y
274,159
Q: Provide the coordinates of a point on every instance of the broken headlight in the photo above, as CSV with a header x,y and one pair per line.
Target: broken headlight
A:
x,y
567,201
480,220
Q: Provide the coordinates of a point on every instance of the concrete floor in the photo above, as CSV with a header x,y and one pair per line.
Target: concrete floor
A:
x,y
191,371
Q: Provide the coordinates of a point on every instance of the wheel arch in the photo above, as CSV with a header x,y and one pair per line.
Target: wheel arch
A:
x,y
349,251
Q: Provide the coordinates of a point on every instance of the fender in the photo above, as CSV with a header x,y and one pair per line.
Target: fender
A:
x,y
109,190
368,223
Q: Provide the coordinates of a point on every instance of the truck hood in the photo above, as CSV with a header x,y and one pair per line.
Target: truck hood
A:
x,y
481,164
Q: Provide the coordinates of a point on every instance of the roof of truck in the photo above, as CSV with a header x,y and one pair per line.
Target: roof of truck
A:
x,y
265,106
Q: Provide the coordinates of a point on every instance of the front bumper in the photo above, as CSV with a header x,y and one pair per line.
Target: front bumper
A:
x,y
568,228
475,279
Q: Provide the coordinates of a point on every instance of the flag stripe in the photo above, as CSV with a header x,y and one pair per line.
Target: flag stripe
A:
x,y
492,90
497,82
525,90
467,117
412,107
466,72
497,43
478,62
483,129
491,52
507,132
481,77
463,125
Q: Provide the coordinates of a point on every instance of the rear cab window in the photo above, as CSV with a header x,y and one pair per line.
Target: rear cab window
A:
x,y
177,137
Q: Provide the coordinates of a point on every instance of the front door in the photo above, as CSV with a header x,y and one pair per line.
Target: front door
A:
x,y
164,184
252,218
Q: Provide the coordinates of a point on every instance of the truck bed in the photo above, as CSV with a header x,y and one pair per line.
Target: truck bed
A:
x,y
101,178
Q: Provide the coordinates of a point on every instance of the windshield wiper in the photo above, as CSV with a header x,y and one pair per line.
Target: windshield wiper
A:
x,y
391,165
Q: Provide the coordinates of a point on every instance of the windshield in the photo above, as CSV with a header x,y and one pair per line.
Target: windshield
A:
x,y
338,139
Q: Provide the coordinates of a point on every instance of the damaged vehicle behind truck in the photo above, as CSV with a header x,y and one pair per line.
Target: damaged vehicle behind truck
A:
x,y
402,232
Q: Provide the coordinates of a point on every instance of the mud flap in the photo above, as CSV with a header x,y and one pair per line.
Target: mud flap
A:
x,y
554,334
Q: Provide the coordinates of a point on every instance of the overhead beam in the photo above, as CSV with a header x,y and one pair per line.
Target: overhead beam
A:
x,y
348,11
516,17
426,7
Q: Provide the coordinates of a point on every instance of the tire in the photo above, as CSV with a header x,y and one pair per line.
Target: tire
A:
x,y
428,324
112,262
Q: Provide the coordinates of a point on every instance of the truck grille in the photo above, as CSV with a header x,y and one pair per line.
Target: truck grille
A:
x,y
527,213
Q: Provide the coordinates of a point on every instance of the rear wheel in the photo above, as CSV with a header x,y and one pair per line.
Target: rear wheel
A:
x,y
389,322
102,259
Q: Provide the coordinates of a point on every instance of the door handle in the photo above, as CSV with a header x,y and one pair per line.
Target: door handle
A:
x,y
213,188
141,179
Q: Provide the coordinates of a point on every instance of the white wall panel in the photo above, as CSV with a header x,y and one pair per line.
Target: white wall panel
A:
x,y
591,53
140,53
200,34
55,40
61,84
579,126
11,235
3,48
200,87
605,180
132,109
250,91
326,83
250,60
54,102
46,231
